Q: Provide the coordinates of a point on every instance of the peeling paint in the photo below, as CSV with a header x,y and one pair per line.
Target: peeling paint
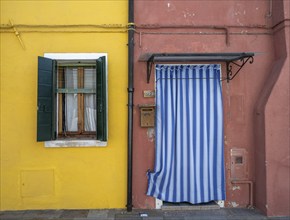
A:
x,y
151,134
236,188
170,7
188,14
239,22
234,204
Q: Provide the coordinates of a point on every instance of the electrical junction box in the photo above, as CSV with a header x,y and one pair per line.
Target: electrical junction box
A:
x,y
147,115
239,164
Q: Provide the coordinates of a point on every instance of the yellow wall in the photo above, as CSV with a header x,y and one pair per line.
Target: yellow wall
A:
x,y
35,177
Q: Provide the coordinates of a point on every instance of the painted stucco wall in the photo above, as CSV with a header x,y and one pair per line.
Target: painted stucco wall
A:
x,y
35,177
214,27
272,112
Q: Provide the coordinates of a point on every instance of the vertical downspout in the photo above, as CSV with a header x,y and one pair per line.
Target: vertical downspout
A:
x,y
130,102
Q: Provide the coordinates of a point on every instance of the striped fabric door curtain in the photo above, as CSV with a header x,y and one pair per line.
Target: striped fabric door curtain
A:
x,y
189,151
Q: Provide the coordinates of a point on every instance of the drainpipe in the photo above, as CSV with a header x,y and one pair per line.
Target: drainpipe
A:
x,y
130,102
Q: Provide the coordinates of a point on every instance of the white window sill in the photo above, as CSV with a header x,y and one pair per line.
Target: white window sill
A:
x,y
75,143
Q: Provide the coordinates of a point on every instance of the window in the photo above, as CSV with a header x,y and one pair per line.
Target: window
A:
x,y
72,97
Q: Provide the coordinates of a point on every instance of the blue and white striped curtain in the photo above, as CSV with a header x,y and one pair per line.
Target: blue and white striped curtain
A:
x,y
189,161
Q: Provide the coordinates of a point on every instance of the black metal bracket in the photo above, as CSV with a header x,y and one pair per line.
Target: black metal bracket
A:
x,y
149,68
243,61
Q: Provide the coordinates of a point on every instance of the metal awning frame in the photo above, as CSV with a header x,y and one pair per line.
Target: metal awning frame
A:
x,y
232,59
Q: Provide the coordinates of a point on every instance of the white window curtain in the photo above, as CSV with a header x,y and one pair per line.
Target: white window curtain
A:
x,y
90,100
71,104
189,161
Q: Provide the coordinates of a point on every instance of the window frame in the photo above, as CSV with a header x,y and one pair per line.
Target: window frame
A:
x,y
81,132
103,64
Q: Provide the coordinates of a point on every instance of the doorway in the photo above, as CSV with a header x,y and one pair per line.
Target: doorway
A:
x,y
189,161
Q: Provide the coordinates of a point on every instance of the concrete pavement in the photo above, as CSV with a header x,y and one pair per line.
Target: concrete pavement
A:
x,y
137,214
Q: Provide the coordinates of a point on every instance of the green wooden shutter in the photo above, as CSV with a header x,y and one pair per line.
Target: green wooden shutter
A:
x,y
101,100
45,100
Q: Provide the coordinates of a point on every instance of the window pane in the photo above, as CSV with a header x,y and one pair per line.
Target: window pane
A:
x,y
71,108
90,78
71,103
90,99
90,112
71,78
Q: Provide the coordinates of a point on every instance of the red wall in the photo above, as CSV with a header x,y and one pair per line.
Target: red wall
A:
x,y
251,118
273,153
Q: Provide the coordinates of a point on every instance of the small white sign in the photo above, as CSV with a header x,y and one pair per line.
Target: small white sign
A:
x,y
149,93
